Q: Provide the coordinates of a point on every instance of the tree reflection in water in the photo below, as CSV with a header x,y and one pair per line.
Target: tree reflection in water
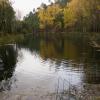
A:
x,y
71,60
72,53
8,58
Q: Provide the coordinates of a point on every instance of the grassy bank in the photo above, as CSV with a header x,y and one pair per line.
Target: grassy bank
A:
x,y
77,36
8,39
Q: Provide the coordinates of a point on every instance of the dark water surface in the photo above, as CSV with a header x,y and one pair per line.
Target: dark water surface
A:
x,y
38,68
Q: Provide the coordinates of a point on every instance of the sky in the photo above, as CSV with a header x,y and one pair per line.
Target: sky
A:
x,y
23,7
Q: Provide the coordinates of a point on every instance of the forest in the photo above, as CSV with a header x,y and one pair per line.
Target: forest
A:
x,y
52,53
59,16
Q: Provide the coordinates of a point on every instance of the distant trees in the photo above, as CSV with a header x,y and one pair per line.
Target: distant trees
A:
x,y
83,15
61,2
63,15
7,17
31,22
9,23
71,15
51,17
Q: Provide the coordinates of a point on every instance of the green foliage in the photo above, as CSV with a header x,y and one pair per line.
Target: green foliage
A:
x,y
7,17
32,22
9,39
74,15
63,15
62,2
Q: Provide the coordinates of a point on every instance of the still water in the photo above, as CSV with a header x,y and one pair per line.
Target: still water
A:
x,y
37,69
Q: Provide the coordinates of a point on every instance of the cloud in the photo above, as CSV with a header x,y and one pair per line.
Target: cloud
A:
x,y
25,6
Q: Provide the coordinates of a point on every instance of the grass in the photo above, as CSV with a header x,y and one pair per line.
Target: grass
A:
x,y
9,39
71,92
97,98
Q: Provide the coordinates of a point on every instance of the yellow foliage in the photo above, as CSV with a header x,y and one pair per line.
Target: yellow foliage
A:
x,y
70,13
47,16
80,9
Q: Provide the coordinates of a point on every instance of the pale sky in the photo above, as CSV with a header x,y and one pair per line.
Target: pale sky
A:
x,y
25,6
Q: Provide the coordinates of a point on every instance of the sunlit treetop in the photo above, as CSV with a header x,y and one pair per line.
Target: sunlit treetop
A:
x,y
62,2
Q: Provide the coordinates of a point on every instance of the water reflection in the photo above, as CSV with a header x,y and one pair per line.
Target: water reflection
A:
x,y
8,59
73,54
36,65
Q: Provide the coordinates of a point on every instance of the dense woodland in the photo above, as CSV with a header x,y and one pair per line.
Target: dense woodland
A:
x,y
59,16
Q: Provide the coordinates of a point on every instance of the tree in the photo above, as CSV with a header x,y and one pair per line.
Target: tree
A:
x,y
50,17
70,14
32,22
61,2
7,16
82,15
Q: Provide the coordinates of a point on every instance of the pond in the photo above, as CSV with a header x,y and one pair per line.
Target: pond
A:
x,y
45,69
